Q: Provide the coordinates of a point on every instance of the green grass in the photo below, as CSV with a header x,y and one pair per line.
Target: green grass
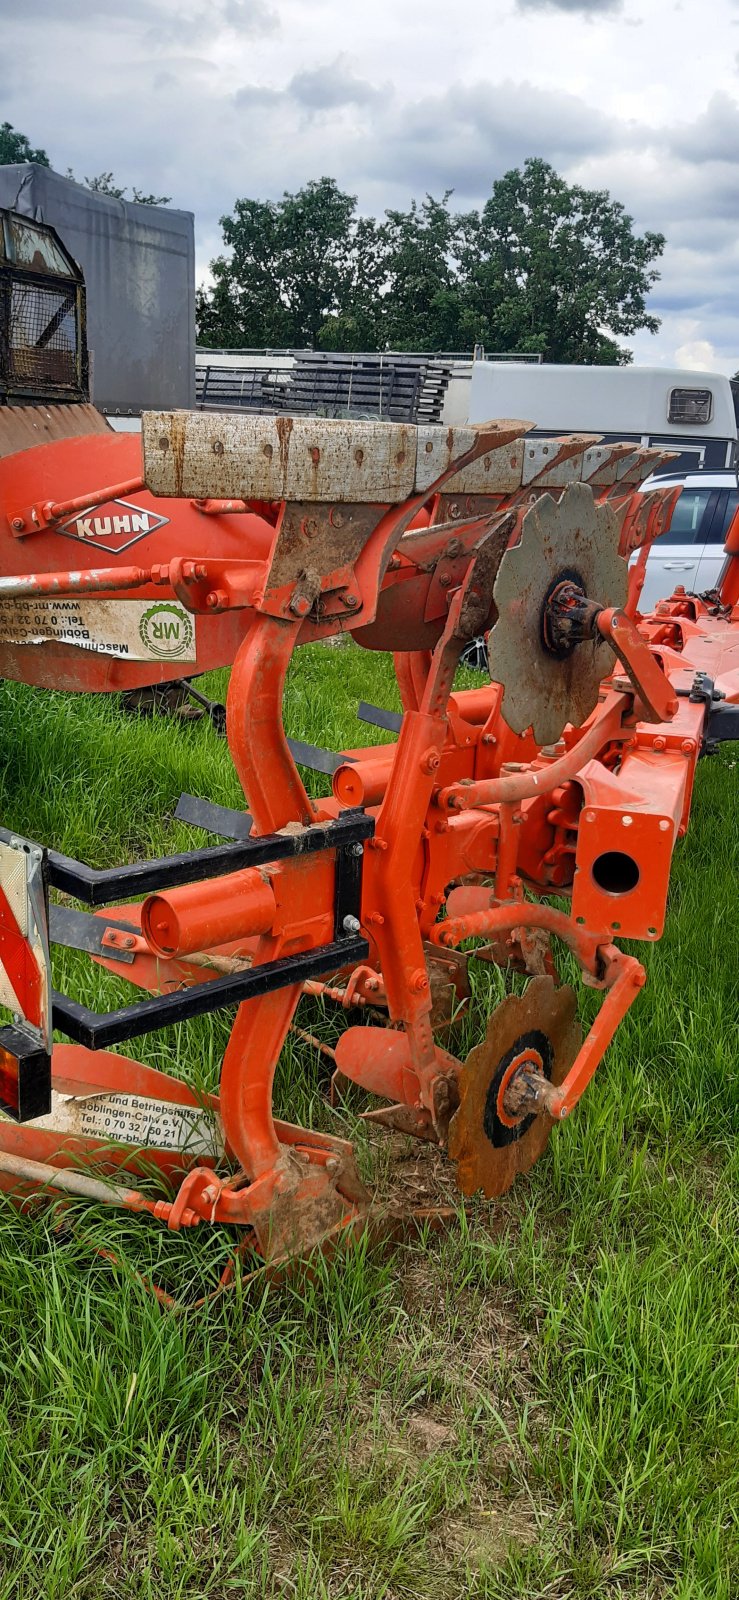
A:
x,y
545,1403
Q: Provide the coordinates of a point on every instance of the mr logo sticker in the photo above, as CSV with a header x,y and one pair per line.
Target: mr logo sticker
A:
x,y
166,630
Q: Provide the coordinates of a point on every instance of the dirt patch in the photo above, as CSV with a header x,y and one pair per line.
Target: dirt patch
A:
x,y
484,1537
428,1436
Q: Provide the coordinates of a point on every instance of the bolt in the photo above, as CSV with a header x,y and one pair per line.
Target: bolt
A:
x,y
377,843
18,524
350,601
489,738
356,850
188,571
333,1164
129,941
688,747
445,580
215,599
660,742
430,760
351,925
418,981
375,918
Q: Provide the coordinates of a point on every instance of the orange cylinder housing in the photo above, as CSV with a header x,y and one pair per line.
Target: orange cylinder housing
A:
x,y
202,915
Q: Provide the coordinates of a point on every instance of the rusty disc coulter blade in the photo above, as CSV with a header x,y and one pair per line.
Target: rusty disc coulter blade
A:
x,y
567,539
537,1029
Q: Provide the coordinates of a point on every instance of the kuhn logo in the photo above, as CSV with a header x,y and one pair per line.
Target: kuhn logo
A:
x,y
114,526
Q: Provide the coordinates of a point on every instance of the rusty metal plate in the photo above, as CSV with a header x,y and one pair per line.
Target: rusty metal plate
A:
x,y
497,471
200,455
318,460
559,538
553,463
22,427
644,461
541,1025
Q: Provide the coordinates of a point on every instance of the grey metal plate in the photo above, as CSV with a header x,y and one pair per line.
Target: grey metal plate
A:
x,y
212,818
558,537
79,930
319,459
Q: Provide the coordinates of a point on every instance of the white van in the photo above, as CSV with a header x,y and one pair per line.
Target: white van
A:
x,y
691,412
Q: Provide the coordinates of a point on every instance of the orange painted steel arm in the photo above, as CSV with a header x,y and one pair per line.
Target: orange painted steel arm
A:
x,y
522,914
256,735
512,787
625,977
654,688
57,510
91,580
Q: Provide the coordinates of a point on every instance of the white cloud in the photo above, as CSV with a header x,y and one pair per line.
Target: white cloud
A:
x,y
207,100
698,355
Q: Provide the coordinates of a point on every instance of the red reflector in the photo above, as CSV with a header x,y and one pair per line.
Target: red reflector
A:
x,y
25,1076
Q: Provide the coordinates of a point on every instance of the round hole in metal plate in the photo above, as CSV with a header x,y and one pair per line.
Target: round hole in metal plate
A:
x,y
615,873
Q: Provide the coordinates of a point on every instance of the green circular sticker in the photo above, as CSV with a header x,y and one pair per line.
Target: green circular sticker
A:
x,y
166,630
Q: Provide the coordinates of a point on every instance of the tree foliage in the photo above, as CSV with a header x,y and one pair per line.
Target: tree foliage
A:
x,y
544,267
104,184
14,146
301,271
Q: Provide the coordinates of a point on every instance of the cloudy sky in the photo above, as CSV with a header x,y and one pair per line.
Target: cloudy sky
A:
x,y
210,99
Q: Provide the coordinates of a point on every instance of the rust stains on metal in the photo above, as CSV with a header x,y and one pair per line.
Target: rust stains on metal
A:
x,y
536,1031
284,426
22,427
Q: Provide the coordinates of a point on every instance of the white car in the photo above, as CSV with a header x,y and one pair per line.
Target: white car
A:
x,y
691,553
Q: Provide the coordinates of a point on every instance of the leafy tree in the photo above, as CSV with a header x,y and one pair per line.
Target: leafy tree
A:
x,y
105,183
544,267
14,146
557,269
301,271
422,307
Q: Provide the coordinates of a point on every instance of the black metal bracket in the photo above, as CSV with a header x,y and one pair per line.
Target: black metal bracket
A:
x,y
98,1030
101,886
722,719
211,818
723,724
377,717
